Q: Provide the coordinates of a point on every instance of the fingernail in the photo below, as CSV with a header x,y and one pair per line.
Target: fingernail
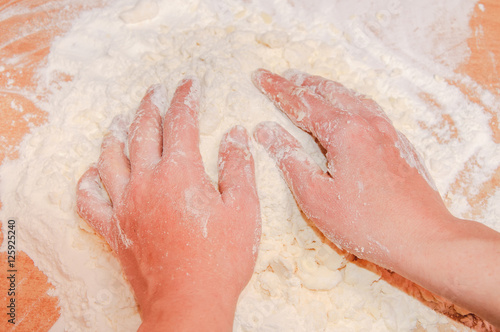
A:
x,y
264,133
187,92
194,94
257,76
155,87
295,76
118,127
195,82
238,134
158,96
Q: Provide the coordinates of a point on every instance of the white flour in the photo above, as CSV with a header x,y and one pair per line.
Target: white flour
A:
x,y
115,53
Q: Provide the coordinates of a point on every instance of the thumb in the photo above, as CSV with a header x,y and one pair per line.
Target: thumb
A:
x,y
94,207
311,187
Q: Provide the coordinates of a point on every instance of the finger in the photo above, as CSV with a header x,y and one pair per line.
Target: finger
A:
x,y
343,98
94,206
236,171
337,94
309,111
145,142
113,165
181,133
308,183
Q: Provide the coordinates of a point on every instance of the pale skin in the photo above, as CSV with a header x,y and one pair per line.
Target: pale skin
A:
x,y
187,248
371,202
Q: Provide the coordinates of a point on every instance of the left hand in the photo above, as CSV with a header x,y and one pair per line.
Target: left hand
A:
x,y
377,200
187,248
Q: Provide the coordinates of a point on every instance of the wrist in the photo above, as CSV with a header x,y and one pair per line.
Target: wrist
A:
x,y
458,262
439,256
419,239
188,310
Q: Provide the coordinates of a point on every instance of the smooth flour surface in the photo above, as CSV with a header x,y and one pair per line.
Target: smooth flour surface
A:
x,y
113,54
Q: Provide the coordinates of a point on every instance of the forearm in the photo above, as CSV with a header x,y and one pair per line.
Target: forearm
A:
x,y
461,262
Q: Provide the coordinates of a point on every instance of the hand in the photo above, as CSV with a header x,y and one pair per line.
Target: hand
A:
x,y
377,200
187,248
375,193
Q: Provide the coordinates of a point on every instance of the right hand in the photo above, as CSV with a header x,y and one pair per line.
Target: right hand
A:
x,y
187,248
375,200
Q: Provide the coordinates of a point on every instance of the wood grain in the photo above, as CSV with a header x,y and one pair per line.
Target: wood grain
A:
x,y
27,29
29,26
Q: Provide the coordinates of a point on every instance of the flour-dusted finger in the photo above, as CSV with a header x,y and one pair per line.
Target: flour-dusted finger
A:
x,y
309,111
113,165
94,206
345,99
238,188
309,184
237,171
337,94
181,135
301,105
145,134
334,92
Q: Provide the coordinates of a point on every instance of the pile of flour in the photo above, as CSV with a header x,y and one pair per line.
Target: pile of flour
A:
x,y
113,54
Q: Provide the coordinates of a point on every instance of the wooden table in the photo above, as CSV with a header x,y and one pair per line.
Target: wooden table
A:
x,y
28,37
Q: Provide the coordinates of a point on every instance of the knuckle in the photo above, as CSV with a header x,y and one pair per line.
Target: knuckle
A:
x,y
385,127
331,88
357,127
352,126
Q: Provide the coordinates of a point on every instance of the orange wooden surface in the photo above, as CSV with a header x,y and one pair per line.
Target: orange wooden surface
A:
x,y
484,68
24,45
25,41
